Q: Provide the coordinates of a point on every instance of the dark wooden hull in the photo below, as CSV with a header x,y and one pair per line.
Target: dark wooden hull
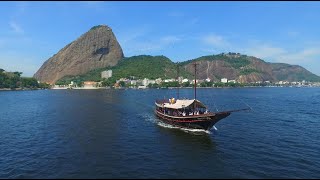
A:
x,y
202,121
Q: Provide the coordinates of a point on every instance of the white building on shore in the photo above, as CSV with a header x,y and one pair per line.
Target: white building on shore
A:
x,y
224,80
185,80
146,82
106,74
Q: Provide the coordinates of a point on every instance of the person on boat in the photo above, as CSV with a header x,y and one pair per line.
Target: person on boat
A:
x,y
175,113
196,112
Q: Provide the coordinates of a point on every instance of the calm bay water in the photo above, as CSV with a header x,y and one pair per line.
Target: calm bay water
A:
x,y
114,134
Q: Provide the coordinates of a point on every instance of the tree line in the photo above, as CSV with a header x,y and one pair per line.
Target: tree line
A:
x,y
13,80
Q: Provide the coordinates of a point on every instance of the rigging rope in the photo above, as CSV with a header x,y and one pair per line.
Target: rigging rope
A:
x,y
233,96
214,92
238,97
246,104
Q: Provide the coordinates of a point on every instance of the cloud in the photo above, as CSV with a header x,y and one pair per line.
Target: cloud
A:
x,y
139,46
2,43
303,56
136,41
133,34
176,14
16,27
192,21
307,56
17,13
265,51
282,55
142,47
293,33
21,8
170,39
130,36
185,20
216,41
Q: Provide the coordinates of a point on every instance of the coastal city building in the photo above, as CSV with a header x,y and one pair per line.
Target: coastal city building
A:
x,y
146,82
106,74
185,80
89,84
158,81
224,80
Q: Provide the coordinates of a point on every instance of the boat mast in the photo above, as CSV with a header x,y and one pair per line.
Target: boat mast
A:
x,y
178,81
195,85
195,82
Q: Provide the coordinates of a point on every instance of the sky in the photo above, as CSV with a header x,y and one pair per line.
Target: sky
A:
x,y
286,32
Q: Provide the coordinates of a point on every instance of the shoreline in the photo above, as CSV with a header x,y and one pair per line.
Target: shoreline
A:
x,y
19,89
28,89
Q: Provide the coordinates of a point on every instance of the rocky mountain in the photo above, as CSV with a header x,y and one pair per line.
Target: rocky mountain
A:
x,y
97,48
243,68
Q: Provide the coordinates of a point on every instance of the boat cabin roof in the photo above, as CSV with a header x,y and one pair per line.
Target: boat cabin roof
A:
x,y
182,103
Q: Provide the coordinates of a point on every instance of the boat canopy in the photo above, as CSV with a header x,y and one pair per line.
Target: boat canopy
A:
x,y
180,104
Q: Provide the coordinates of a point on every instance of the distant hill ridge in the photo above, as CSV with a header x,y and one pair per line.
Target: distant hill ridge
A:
x,y
245,69
98,50
242,68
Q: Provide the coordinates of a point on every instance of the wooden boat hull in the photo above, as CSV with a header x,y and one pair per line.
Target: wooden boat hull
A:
x,y
203,121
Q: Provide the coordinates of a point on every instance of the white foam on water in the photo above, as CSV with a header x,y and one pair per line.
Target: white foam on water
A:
x,y
148,117
151,118
184,129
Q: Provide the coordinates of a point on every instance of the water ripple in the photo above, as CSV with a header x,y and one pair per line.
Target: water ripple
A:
x,y
114,134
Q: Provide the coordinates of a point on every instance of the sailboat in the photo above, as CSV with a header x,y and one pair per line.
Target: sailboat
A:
x,y
189,113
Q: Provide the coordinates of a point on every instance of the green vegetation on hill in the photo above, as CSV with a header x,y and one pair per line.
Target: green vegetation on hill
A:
x,y
13,80
238,62
235,60
95,27
151,67
248,71
136,67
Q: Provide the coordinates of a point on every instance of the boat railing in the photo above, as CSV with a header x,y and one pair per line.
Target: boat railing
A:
x,y
191,114
161,101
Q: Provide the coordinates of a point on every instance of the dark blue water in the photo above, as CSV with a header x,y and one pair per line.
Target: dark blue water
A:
x,y
114,134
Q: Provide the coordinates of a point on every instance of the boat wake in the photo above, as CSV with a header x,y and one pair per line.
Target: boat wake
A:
x,y
193,131
148,117
152,119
